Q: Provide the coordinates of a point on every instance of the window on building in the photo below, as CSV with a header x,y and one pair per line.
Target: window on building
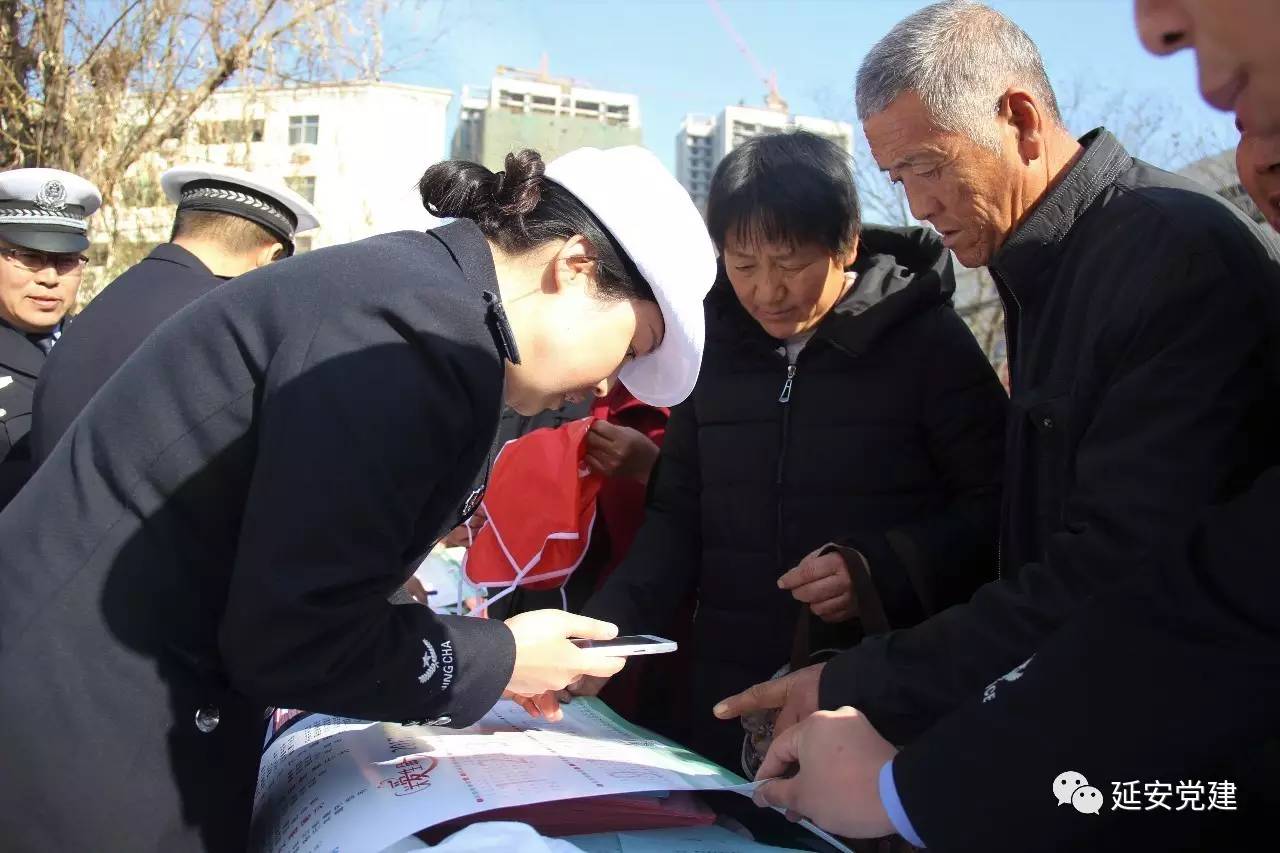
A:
x,y
303,185
304,130
587,106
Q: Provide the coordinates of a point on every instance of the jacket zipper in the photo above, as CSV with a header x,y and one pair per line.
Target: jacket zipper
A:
x,y
784,400
785,396
1002,287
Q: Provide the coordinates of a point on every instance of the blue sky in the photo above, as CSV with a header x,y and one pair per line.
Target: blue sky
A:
x,y
677,58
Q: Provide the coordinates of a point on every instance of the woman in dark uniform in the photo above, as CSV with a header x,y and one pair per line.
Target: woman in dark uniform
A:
x,y
220,529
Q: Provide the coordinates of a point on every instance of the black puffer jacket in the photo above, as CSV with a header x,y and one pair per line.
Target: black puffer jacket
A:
x,y
890,441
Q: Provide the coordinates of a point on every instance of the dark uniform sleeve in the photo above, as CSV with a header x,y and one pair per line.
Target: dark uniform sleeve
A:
x,y
929,565
645,591
1160,680
351,444
1183,376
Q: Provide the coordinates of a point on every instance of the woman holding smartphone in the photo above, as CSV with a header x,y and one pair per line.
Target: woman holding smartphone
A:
x,y
221,528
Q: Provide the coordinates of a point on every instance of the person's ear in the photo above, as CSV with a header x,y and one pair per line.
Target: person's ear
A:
x,y
847,258
575,264
269,254
1019,109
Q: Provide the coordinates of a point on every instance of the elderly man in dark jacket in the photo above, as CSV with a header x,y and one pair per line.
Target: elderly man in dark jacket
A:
x,y
1137,336
1149,687
875,427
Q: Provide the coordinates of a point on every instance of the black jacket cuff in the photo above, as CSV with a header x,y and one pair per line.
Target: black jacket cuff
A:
x,y
467,671
838,685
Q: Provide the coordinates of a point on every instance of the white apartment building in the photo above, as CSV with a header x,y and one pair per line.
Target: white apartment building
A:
x,y
355,150
695,156
703,141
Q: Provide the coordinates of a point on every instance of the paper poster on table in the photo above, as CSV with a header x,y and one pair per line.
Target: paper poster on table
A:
x,y
335,784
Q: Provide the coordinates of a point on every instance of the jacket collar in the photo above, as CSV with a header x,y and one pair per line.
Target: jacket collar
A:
x,y
18,352
470,252
1035,243
174,254
467,246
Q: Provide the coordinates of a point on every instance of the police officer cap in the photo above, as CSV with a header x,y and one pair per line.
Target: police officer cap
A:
x,y
46,209
221,189
658,226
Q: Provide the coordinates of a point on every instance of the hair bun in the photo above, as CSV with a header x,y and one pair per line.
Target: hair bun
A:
x,y
457,188
519,186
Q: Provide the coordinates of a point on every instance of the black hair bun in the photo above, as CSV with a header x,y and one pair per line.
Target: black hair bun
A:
x,y
457,188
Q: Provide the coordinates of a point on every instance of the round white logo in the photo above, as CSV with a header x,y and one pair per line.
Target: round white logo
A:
x,y
52,196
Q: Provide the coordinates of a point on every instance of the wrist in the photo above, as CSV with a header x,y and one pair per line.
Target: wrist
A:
x,y
895,815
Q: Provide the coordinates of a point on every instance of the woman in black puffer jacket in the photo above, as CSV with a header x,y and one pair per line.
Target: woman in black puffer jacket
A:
x,y
837,469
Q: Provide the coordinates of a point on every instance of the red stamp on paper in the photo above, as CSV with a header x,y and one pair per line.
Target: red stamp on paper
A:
x,y
411,776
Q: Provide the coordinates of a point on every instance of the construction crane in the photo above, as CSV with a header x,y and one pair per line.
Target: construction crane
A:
x,y
772,99
542,74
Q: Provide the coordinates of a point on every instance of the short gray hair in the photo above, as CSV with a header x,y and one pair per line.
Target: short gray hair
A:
x,y
959,57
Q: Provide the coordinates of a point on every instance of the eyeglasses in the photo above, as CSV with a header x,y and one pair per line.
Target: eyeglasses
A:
x,y
32,260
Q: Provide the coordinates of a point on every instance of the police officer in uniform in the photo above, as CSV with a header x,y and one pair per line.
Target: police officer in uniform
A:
x,y
219,530
228,222
43,224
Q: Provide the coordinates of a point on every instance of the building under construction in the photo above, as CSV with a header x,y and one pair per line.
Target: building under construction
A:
x,y
532,109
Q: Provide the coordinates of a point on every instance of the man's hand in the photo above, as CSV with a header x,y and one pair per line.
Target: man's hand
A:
x,y
822,581
796,694
618,451
837,756
547,661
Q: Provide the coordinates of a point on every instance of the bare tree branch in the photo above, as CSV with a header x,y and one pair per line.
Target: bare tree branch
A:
x,y
98,86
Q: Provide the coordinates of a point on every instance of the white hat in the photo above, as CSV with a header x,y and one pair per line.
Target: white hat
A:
x,y
46,209
221,189
656,223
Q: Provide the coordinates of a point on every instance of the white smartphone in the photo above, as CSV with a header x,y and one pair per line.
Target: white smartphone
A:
x,y
620,647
